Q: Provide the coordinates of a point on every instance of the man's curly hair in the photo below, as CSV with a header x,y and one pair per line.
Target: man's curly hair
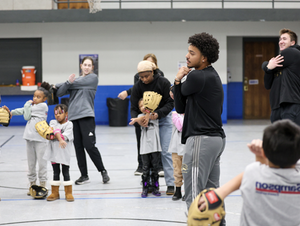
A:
x,y
207,44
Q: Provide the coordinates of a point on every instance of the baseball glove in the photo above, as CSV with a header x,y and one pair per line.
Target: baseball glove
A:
x,y
151,100
44,130
4,117
38,192
213,213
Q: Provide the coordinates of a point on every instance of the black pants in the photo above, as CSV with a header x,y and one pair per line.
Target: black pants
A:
x,y
151,159
84,138
287,111
56,171
138,132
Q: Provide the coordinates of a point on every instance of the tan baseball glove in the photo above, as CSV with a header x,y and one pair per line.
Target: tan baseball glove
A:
x,y
38,192
4,117
151,100
44,130
213,213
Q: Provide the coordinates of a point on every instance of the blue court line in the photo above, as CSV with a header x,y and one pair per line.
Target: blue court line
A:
x,y
97,198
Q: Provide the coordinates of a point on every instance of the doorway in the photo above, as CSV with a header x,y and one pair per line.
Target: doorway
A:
x,y
256,97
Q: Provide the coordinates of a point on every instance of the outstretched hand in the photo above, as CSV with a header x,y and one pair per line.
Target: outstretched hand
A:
x,y
71,78
123,95
256,147
142,121
275,62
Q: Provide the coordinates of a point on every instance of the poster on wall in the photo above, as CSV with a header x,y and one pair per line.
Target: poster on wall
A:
x,y
95,59
181,63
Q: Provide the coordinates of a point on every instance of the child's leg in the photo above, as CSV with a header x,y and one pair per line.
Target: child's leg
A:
x,y
55,183
65,172
177,162
155,159
146,173
67,183
31,160
40,148
56,171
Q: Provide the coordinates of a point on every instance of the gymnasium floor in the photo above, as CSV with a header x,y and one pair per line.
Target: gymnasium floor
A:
x,y
118,202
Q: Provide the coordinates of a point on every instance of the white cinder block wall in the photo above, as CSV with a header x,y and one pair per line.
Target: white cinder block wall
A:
x,y
121,45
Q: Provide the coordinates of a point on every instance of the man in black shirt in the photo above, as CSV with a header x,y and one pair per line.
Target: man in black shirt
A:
x,y
199,95
282,76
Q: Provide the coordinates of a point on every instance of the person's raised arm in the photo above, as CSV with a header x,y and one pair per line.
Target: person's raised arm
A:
x,y
256,148
223,191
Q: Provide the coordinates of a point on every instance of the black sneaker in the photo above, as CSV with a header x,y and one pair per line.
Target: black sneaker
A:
x,y
138,172
82,180
170,190
105,177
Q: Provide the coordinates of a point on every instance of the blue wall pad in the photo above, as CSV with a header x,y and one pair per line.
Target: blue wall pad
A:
x,y
101,109
235,100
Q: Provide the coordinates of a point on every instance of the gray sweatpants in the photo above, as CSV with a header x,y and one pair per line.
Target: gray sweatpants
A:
x,y
201,165
35,153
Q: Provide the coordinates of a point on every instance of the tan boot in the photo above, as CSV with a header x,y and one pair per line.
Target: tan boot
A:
x,y
31,183
54,191
68,191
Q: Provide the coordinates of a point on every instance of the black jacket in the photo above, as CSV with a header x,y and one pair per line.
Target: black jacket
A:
x,y
284,81
160,85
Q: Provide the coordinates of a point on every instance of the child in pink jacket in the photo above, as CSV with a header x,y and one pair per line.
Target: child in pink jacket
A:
x,y
177,150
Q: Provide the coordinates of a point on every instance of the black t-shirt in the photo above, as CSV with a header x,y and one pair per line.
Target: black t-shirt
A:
x,y
200,97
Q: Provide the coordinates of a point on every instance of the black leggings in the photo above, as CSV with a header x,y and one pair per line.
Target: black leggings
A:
x,y
56,171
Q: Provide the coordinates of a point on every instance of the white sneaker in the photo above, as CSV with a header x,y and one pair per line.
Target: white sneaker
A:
x,y
138,172
161,173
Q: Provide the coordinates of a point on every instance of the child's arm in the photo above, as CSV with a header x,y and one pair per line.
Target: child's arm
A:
x,y
256,148
177,120
60,138
26,110
223,191
142,121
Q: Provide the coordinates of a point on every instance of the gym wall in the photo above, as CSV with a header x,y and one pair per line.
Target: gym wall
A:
x,y
121,45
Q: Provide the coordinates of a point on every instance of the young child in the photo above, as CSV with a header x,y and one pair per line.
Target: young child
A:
x,y
34,111
177,150
59,152
150,152
270,187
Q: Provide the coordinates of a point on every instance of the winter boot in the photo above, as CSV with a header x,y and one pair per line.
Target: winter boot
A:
x,y
177,195
156,189
54,190
145,180
145,190
68,190
155,183
31,183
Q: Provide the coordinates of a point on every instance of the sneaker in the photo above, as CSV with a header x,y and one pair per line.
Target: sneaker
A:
x,y
31,183
105,177
138,172
161,173
82,180
170,190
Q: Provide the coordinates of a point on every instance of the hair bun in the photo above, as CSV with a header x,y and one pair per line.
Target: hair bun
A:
x,y
46,85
